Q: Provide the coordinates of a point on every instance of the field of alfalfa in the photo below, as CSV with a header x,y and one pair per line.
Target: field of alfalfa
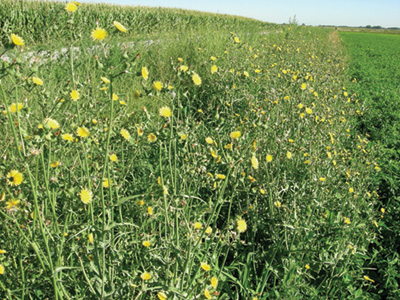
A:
x,y
170,154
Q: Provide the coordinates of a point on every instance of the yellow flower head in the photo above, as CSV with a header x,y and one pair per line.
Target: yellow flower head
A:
x,y
289,155
16,107
235,135
1,269
146,244
197,225
205,267
209,140
236,39
106,183
55,164
74,95
14,178
150,210
220,176
145,73
86,196
17,40
99,34
113,157
303,86
67,137
165,112
241,225
269,158
214,282
12,205
83,132
157,85
162,296
53,124
208,230
196,79
125,134
183,68
207,294
70,7
214,69
254,163
151,137
105,80
37,81
119,26
145,276
91,238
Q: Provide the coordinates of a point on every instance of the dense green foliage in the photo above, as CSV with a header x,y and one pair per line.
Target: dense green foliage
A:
x,y
228,153
375,64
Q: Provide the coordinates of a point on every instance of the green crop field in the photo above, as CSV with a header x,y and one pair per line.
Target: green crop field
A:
x,y
170,154
375,66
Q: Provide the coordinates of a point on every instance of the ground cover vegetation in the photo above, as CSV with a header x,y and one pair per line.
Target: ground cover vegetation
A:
x,y
204,157
374,69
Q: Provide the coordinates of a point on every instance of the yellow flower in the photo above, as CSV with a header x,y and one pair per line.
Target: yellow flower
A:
x,y
165,112
368,279
136,94
214,282
235,135
55,164
67,137
289,155
106,183
322,179
114,97
300,106
119,26
17,40
53,124
12,205
86,196
83,132
277,204
183,137
228,146
241,225
209,140
14,178
37,81
146,244
2,251
145,276
303,86
208,230
183,68
214,69
197,225
151,137
105,80
207,294
236,39
140,131
254,163
309,111
157,85
347,220
15,107
307,267
351,190
70,7
91,239
1,269
246,74
150,210
99,34
196,79
125,134
220,176
140,202
74,95
113,157
269,158
145,73
205,267
162,296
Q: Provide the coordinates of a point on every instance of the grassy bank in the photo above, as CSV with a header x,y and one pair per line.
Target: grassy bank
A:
x,y
221,162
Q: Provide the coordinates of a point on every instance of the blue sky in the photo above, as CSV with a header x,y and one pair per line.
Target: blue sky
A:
x,y
385,13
